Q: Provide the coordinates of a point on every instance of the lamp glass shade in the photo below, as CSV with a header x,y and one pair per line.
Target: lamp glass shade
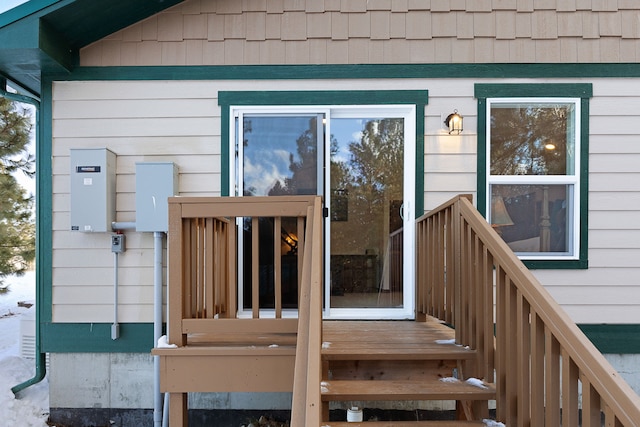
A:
x,y
454,123
499,214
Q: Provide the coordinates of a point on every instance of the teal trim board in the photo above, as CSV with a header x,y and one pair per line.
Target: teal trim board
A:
x,y
584,91
96,338
614,339
418,98
351,71
44,206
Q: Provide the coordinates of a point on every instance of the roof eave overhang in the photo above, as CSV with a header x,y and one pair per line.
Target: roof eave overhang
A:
x,y
34,40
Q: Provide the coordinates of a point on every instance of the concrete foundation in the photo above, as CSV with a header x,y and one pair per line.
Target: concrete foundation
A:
x,y
117,389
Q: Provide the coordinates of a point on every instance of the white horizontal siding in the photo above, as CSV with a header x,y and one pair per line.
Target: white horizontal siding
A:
x,y
154,145
102,276
602,278
162,121
608,201
135,127
101,313
140,122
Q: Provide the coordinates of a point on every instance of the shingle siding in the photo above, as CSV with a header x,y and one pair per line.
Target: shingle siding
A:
x,y
566,26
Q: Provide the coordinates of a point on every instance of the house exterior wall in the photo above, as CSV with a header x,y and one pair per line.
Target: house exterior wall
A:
x,y
146,119
179,121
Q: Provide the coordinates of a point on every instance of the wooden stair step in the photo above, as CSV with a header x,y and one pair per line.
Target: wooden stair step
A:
x,y
393,352
226,350
384,390
402,423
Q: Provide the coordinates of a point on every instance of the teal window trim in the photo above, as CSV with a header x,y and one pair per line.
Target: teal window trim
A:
x,y
419,98
584,91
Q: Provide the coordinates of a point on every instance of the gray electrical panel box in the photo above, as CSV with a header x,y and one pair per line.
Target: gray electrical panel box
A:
x,y
155,183
93,189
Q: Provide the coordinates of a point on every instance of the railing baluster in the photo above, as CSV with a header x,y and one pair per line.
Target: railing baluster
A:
x,y
255,267
439,255
455,267
419,274
432,272
501,344
209,281
590,404
570,376
477,320
552,379
221,266
230,285
193,269
487,327
301,242
537,370
200,283
277,266
523,341
511,351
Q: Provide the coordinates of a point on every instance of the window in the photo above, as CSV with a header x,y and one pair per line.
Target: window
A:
x,y
531,154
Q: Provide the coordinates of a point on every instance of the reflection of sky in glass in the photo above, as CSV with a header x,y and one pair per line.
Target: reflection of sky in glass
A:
x,y
342,131
269,145
346,131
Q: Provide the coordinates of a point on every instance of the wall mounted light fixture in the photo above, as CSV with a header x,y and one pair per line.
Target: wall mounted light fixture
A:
x,y
454,123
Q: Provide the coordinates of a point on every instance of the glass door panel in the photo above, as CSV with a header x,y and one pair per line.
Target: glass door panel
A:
x,y
366,220
278,156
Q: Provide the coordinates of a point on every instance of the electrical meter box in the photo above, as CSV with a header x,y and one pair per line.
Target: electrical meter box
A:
x,y
93,189
155,183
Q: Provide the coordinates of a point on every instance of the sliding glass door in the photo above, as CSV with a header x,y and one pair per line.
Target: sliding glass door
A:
x,y
361,160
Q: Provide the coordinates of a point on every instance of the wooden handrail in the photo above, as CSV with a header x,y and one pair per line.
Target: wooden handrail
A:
x,y
524,339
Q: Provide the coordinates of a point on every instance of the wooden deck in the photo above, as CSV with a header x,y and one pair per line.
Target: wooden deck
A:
x,y
388,340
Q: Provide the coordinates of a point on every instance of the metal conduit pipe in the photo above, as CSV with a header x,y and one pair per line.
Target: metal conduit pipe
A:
x,y
120,226
158,237
41,366
157,324
115,327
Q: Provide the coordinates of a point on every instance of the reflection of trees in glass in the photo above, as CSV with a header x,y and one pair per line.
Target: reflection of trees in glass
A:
x,y
376,161
369,169
519,134
304,175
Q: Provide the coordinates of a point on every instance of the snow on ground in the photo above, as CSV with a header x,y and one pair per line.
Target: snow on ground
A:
x,y
31,409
